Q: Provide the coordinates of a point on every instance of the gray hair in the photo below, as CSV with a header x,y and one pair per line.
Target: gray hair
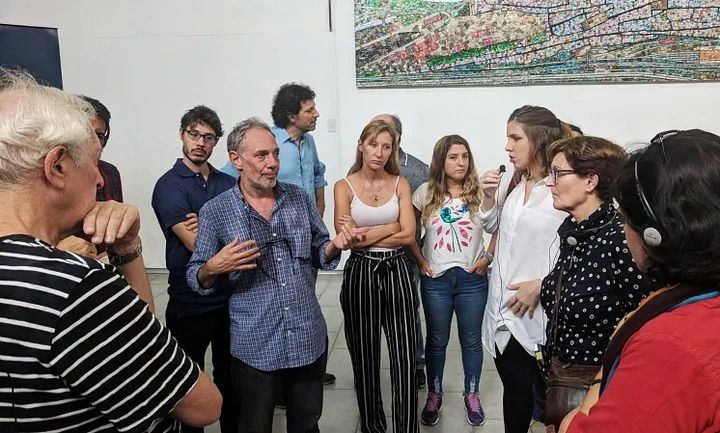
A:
x,y
397,124
236,138
33,120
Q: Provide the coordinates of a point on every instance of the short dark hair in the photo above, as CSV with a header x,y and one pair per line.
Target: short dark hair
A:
x,y
202,114
101,111
680,178
288,101
591,155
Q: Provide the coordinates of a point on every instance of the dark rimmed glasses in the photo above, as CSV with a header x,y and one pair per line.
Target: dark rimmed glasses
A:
x,y
556,173
103,138
264,246
208,139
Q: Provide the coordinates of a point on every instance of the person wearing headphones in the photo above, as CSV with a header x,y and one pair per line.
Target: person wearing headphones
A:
x,y
595,281
661,370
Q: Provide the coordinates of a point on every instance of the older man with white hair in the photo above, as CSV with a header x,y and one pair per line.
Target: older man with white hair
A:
x,y
79,350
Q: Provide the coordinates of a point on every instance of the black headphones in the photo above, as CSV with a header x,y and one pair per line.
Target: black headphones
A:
x,y
651,234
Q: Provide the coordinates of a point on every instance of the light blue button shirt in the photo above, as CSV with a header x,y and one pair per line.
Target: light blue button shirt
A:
x,y
230,169
301,165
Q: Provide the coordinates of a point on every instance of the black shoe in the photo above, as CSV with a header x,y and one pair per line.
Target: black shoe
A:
x,y
328,378
420,378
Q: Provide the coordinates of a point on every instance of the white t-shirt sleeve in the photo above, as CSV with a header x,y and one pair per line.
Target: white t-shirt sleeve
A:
x,y
419,197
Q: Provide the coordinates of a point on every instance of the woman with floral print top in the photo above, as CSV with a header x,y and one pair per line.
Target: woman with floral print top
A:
x,y
452,267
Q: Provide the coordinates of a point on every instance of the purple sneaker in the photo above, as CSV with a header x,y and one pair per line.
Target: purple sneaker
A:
x,y
473,410
433,406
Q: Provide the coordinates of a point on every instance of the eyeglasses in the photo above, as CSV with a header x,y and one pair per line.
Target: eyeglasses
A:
x,y
554,174
659,141
103,138
264,246
207,138
272,241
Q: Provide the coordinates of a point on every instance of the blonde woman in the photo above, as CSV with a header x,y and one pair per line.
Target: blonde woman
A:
x,y
453,267
377,291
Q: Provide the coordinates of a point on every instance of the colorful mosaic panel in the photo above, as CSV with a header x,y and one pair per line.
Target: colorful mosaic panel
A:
x,y
482,43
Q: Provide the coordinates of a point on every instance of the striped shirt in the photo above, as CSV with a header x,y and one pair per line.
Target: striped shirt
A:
x,y
79,351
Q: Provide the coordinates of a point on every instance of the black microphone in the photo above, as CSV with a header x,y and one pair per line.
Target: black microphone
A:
x,y
502,168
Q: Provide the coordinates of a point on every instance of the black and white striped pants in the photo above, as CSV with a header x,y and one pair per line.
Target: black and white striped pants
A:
x,y
377,292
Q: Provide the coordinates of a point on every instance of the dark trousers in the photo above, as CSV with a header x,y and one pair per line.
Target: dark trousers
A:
x,y
302,388
419,339
194,334
377,293
519,373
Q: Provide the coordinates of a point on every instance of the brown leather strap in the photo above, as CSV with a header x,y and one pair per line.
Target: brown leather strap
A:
x,y
556,309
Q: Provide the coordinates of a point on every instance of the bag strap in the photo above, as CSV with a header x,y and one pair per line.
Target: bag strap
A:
x,y
654,307
556,309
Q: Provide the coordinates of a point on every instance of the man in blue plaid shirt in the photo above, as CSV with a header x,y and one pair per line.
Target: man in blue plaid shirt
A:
x,y
260,241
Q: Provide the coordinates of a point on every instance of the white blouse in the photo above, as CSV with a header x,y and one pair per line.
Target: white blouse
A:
x,y
452,238
526,249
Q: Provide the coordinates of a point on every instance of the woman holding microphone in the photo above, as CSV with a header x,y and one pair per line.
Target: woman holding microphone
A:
x,y
526,223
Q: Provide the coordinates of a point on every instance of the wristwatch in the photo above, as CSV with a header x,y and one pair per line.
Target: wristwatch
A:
x,y
123,259
487,255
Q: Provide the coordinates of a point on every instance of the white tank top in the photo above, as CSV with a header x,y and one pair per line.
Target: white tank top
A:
x,y
375,216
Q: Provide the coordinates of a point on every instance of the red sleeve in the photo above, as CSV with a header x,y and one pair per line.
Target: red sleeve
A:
x,y
659,386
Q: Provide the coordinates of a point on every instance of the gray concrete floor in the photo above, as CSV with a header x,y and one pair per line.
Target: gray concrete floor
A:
x,y
340,413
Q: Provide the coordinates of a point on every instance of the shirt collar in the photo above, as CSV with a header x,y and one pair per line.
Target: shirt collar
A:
x,y
403,157
281,135
542,181
600,216
279,191
184,171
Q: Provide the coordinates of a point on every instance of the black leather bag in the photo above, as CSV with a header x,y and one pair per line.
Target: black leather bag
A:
x,y
566,388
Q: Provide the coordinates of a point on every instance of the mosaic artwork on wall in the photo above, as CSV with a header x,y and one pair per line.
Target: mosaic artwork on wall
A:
x,y
483,42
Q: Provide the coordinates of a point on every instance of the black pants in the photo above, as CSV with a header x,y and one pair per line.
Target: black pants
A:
x,y
519,373
194,334
301,386
377,292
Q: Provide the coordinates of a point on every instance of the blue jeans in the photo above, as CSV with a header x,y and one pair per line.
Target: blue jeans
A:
x,y
465,294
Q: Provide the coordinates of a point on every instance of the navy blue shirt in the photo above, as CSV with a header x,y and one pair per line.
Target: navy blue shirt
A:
x,y
177,193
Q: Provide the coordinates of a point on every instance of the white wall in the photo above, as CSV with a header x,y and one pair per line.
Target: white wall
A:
x,y
149,61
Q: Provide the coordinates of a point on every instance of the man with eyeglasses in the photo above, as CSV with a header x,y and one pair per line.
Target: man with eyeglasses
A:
x,y
195,321
112,188
260,241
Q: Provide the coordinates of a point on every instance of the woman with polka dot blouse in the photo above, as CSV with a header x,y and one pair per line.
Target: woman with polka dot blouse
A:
x,y
595,281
